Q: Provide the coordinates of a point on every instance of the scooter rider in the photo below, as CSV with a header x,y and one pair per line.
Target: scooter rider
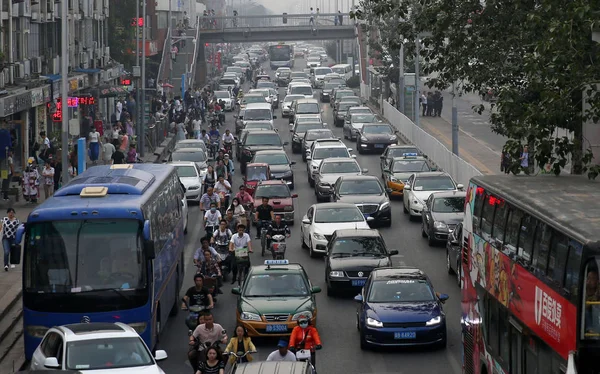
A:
x,y
207,333
227,140
282,353
277,227
244,197
198,294
211,219
221,238
199,254
305,336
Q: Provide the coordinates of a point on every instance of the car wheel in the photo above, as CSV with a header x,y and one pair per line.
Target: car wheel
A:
x,y
311,182
304,246
310,249
357,323
458,274
430,239
359,148
404,207
448,267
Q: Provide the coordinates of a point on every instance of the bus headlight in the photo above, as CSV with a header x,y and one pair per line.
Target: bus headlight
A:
x,y
37,331
139,327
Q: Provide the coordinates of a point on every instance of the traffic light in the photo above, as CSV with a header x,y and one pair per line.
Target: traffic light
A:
x,y
137,22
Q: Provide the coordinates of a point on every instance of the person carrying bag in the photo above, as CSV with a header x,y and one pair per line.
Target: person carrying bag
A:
x,y
12,250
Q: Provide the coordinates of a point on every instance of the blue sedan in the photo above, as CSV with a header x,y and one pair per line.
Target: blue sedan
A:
x,y
399,307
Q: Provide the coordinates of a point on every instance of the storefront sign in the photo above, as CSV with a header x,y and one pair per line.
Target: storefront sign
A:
x,y
55,108
37,97
14,104
73,84
46,93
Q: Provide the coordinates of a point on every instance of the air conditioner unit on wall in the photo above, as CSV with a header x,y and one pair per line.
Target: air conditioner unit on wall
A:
x,y
36,65
19,70
2,83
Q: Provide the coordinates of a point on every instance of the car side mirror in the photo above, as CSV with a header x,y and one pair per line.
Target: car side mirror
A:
x,y
353,156
306,221
443,297
160,355
295,196
389,190
292,163
370,219
315,289
365,171
358,298
236,291
407,187
51,363
393,252
286,143
308,158
382,157
349,149
460,186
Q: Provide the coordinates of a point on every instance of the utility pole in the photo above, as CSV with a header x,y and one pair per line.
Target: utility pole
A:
x,y
64,88
401,88
170,33
142,108
136,73
417,80
454,121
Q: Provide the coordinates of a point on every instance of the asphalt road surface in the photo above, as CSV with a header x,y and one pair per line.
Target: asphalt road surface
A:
x,y
336,316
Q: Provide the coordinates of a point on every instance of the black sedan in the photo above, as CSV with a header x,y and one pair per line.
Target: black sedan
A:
x,y
351,256
258,140
376,137
367,193
441,213
279,163
300,128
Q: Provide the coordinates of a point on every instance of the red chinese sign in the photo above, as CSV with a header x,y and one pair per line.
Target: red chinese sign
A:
x,y
57,115
87,100
72,102
126,81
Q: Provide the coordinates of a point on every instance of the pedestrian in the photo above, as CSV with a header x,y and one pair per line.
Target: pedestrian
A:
x,y
311,21
94,145
119,111
124,142
118,157
57,165
430,100
424,103
48,176
340,17
525,160
132,154
12,253
107,151
505,161
181,132
439,105
31,181
174,51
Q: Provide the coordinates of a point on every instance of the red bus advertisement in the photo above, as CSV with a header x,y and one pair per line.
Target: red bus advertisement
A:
x,y
529,275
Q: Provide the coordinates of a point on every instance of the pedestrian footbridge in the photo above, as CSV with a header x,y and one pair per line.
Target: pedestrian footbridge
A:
x,y
274,28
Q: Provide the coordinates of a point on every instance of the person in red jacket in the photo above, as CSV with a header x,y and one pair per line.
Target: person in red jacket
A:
x,y
305,336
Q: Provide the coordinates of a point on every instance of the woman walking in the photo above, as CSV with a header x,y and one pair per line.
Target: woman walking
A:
x,y
9,233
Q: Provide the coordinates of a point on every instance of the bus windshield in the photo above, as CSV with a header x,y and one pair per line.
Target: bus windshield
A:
x,y
64,256
280,53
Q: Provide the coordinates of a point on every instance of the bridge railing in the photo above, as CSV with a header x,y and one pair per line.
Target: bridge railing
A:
x,y
192,72
299,21
165,61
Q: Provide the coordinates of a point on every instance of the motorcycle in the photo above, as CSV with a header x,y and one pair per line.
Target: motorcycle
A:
x,y
224,255
304,355
210,229
228,147
278,247
238,356
191,320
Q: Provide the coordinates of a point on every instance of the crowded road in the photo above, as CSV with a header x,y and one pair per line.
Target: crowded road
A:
x,y
341,352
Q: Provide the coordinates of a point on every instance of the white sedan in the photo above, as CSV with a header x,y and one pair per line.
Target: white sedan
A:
x,y
96,348
321,221
420,186
190,177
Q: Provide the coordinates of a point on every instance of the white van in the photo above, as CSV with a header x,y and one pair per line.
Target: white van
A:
x,y
345,70
258,112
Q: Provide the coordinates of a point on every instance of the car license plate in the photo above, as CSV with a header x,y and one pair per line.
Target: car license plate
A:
x,y
277,328
405,335
358,282
378,145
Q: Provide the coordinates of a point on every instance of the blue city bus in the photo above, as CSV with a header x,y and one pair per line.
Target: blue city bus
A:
x,y
107,247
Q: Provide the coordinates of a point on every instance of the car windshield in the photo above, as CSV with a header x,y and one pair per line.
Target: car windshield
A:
x,y
263,92
339,168
322,153
308,108
196,156
341,94
309,119
263,139
258,126
296,74
363,118
272,158
234,69
186,171
276,285
344,106
256,173
227,81
314,58
107,353
265,84
434,184
314,135
448,205
222,95
272,190
254,99
304,127
323,71
330,85
354,110
341,71
284,74
360,187
378,129
400,291
258,114
369,246
302,90
190,144
402,152
338,215
290,98
63,256
410,166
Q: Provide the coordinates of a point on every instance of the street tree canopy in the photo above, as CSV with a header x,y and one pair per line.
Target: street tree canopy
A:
x,y
538,58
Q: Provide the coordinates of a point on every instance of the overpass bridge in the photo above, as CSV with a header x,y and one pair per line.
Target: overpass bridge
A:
x,y
276,28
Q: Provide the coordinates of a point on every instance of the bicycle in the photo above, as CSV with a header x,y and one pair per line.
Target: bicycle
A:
x,y
264,228
242,259
238,356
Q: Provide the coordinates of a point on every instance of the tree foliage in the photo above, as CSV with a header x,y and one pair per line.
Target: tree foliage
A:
x,y
121,35
537,56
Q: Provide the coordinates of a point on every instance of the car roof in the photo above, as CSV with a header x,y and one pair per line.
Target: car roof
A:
x,y
405,272
444,194
252,94
358,177
188,150
310,101
329,143
339,159
189,141
352,233
262,131
334,205
182,163
97,330
361,107
272,367
265,269
432,174
258,106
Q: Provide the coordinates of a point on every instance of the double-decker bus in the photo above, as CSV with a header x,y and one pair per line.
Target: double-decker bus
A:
x,y
529,275
107,247
281,55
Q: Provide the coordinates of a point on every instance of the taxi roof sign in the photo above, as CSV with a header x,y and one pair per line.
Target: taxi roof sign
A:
x,y
277,262
409,154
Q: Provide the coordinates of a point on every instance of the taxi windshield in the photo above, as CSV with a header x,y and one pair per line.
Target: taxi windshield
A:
x,y
254,99
410,166
400,291
276,285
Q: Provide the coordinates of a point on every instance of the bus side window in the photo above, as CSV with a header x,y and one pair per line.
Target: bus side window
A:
x,y
573,269
499,225
541,248
513,226
487,216
557,260
477,209
526,233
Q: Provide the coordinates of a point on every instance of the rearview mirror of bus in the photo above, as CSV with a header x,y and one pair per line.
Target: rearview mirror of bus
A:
x,y
20,233
147,230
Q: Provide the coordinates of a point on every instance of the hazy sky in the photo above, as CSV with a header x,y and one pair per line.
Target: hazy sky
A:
x,y
280,6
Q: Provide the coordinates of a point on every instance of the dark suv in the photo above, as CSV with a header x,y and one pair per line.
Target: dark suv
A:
x,y
260,140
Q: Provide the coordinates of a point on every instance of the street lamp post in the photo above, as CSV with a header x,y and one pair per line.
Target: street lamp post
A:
x,y
64,88
142,108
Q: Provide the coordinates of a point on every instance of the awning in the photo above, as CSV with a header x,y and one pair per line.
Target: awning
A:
x,y
112,91
53,77
87,71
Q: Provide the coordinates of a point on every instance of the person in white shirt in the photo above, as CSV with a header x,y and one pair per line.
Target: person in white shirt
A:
x,y
94,145
312,17
227,137
424,103
222,186
213,216
240,240
107,151
282,353
119,110
196,125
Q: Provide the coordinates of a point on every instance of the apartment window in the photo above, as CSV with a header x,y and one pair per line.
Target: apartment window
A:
x,y
162,20
34,40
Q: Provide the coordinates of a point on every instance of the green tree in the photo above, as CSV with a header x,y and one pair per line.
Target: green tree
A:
x,y
537,56
121,35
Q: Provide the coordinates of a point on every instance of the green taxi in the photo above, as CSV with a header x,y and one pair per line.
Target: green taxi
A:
x,y
273,297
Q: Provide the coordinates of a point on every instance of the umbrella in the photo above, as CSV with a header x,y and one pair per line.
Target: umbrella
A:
x,y
168,85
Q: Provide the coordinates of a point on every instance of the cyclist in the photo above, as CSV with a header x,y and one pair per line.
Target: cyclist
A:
x,y
212,218
244,197
204,137
199,257
209,198
241,240
215,137
277,227
305,336
264,215
230,167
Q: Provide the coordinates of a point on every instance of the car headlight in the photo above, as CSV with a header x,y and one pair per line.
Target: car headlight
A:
x,y
306,314
192,188
363,139
336,274
139,327
385,205
318,236
36,331
440,225
434,321
296,138
372,322
417,201
246,316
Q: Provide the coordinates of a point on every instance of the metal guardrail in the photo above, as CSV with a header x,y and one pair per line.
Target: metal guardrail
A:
x,y
301,21
156,133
